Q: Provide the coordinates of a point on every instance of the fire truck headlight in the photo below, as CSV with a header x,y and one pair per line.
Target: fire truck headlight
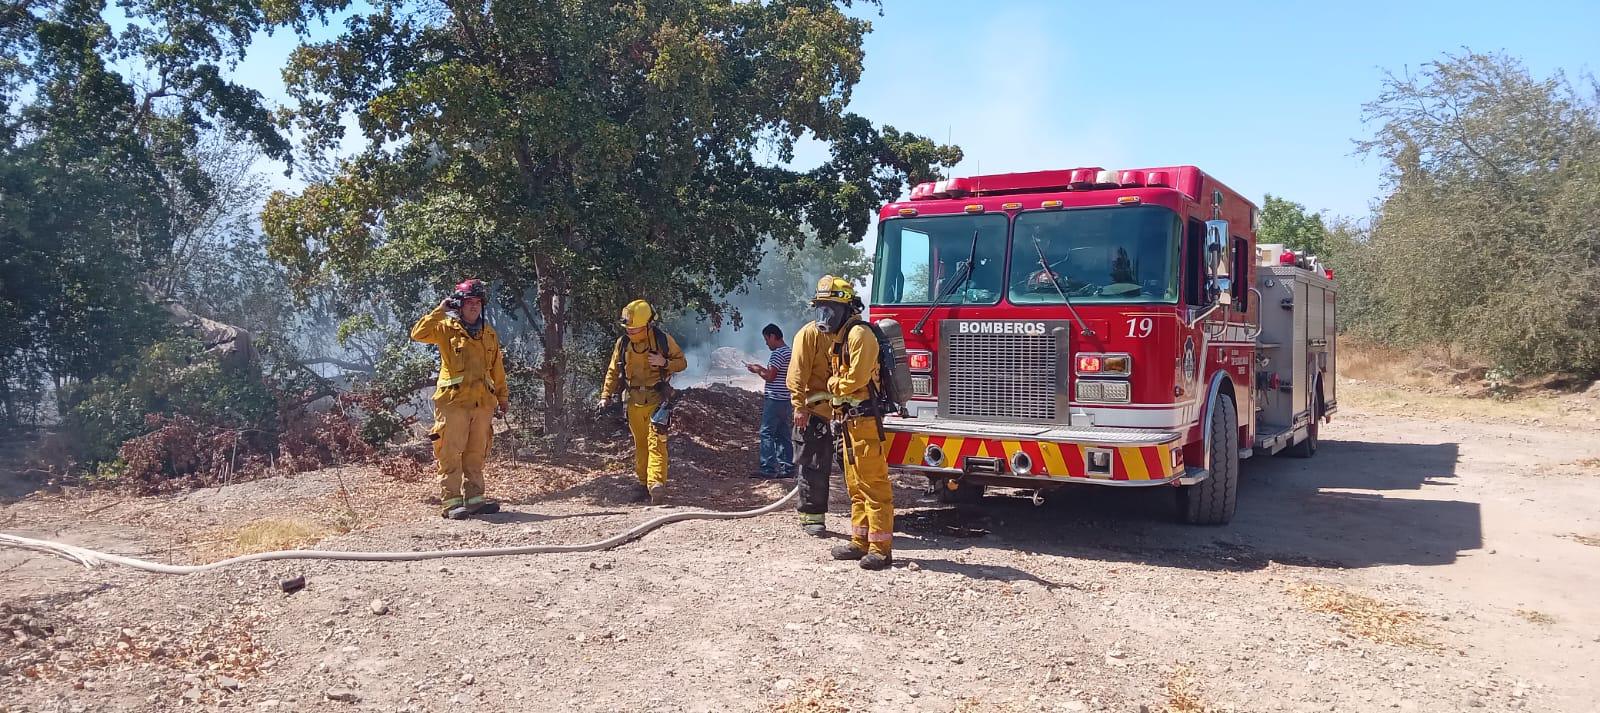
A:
x,y
1091,390
921,386
1116,391
918,360
1103,391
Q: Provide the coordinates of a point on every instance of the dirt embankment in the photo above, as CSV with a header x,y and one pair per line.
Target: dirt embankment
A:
x,y
1418,563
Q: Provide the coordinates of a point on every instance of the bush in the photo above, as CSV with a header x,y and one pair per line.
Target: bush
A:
x,y
168,378
1488,241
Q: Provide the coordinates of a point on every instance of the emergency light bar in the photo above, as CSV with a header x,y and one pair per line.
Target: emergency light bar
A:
x,y
1088,178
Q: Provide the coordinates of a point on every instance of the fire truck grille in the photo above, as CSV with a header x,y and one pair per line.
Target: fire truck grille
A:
x,y
1000,376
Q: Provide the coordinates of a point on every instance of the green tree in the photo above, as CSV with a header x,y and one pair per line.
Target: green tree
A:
x,y
1287,222
1489,238
581,153
104,189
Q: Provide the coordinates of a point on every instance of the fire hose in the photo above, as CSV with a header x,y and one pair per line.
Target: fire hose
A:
x,y
90,558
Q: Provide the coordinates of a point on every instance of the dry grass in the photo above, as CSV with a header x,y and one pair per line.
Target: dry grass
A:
x,y
813,696
1363,616
1375,397
277,534
1537,617
974,705
1589,540
1428,369
1588,463
1182,697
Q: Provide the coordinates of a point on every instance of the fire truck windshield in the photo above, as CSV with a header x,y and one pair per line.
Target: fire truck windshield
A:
x,y
917,257
1114,254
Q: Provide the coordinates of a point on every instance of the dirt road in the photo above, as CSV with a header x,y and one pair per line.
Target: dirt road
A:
x,y
1415,564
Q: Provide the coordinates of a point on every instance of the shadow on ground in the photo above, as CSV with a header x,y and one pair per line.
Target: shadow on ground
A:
x,y
1355,504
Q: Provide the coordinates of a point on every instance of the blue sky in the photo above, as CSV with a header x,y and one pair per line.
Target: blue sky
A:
x,y
1265,96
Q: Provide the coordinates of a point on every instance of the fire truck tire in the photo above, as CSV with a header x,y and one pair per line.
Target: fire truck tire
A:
x,y
1211,502
968,494
1308,447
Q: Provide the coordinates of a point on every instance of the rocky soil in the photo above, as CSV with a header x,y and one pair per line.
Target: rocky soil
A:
x,y
1415,564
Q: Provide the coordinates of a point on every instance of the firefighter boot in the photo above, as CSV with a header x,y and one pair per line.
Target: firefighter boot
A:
x,y
658,493
482,506
848,552
814,524
874,561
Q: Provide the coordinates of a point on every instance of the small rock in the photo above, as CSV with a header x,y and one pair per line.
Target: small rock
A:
x,y
341,695
956,658
913,566
191,695
379,607
467,679
818,595
269,704
227,684
783,684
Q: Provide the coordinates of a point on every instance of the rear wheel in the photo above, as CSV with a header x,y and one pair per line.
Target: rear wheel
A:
x,y
1308,447
967,494
1211,502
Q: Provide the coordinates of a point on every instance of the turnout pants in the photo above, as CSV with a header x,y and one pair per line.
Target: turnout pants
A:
x,y
461,437
649,445
866,476
814,461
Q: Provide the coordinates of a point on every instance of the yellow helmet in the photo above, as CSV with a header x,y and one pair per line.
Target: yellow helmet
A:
x,y
637,315
834,289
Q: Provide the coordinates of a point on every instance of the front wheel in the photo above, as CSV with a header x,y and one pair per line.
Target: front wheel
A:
x,y
1212,501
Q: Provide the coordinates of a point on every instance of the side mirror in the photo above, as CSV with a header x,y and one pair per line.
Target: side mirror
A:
x,y
1219,283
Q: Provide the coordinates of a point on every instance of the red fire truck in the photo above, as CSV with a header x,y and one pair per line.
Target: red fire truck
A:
x,y
1114,328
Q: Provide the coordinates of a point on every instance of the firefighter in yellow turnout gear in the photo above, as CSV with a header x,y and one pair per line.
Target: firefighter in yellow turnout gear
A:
x,y
853,361
809,370
471,387
641,365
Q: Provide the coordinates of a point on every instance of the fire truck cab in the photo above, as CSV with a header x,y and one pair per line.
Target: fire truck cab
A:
x,y
1097,327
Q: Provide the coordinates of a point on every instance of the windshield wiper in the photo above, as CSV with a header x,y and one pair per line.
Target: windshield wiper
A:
x,y
1045,265
962,273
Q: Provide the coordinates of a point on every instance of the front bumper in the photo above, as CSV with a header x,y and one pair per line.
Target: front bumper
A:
x,y
987,451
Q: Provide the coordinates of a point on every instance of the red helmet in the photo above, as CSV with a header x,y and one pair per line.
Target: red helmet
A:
x,y
472,289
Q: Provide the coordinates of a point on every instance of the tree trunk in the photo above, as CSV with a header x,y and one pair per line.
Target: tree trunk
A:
x,y
554,310
234,346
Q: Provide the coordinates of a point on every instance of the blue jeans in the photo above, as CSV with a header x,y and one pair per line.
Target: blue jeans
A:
x,y
777,437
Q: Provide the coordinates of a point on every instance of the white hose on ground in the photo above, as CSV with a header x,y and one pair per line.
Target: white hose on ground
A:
x,y
89,558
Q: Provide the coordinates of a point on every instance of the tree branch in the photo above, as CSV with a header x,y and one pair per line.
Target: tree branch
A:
x,y
342,364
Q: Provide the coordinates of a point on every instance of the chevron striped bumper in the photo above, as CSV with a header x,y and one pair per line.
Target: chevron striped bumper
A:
x,y
1107,456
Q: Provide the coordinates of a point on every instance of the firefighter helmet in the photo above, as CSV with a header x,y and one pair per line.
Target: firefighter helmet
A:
x,y
637,315
472,289
834,289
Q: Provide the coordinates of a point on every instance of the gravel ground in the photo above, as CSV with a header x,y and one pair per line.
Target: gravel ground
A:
x,y
1415,564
